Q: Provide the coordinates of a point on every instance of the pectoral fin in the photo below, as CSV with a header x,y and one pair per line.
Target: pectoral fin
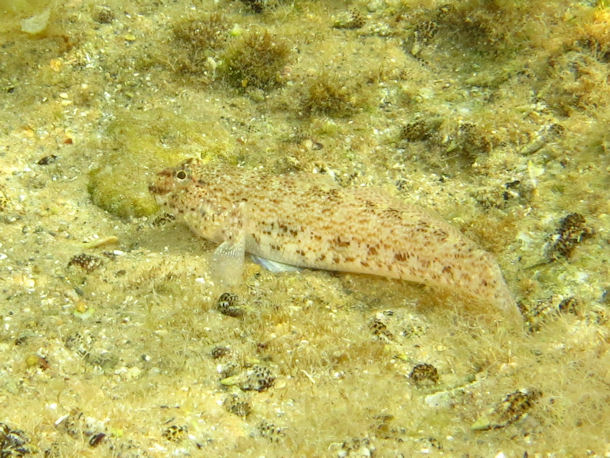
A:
x,y
228,258
228,262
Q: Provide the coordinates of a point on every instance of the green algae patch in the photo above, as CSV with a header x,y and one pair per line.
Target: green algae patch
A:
x,y
334,95
118,191
138,146
256,60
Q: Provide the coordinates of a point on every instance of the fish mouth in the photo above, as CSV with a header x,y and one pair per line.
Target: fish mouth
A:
x,y
159,185
157,190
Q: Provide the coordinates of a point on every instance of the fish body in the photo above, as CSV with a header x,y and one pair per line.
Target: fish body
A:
x,y
309,221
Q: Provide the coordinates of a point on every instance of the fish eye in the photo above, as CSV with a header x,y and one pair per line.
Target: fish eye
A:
x,y
181,175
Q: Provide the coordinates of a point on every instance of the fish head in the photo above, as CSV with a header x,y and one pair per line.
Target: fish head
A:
x,y
189,192
171,180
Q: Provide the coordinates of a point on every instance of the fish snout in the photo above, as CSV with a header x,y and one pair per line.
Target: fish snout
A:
x,y
162,183
156,190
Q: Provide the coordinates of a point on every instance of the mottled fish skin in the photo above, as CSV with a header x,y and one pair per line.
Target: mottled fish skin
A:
x,y
307,220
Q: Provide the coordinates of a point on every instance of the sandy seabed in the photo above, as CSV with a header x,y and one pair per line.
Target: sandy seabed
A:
x,y
114,339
